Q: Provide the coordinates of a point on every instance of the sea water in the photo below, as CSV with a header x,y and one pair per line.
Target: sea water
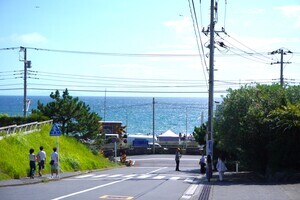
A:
x,y
139,114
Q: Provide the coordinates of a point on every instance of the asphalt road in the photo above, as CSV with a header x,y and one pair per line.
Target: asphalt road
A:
x,y
152,177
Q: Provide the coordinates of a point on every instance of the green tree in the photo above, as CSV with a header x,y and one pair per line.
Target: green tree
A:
x,y
284,147
73,116
241,126
200,133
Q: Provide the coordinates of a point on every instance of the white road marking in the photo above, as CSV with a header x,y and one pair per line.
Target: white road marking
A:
x,y
189,180
130,175
90,189
144,176
159,177
115,175
157,170
174,178
190,191
102,175
85,176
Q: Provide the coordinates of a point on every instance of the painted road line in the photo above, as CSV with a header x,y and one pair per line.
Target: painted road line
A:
x,y
115,175
144,176
157,170
90,189
102,175
159,177
189,192
174,178
85,176
189,180
116,197
130,175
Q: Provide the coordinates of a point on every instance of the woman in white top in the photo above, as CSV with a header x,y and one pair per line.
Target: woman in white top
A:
x,y
221,168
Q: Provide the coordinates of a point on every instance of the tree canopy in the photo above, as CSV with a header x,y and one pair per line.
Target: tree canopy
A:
x,y
74,117
259,126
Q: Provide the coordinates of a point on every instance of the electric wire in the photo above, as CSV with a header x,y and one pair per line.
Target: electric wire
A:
x,y
199,34
202,58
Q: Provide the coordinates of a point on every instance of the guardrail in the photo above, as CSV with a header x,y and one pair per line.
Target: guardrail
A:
x,y
24,128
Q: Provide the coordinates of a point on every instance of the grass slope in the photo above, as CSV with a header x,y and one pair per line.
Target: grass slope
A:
x,y
14,150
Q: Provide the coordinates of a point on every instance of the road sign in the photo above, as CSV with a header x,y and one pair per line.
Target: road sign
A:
x,y
55,131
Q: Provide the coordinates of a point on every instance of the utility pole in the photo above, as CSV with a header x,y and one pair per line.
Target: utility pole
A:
x,y
281,52
25,82
27,64
153,123
209,143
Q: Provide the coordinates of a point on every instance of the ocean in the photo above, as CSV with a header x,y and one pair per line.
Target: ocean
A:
x,y
180,114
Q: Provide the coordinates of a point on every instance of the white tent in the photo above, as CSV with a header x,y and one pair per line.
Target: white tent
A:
x,y
168,136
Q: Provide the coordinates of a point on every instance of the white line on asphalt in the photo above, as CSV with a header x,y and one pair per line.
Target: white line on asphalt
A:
x,y
115,175
90,189
174,178
190,191
130,175
102,175
144,176
85,176
159,177
156,170
190,180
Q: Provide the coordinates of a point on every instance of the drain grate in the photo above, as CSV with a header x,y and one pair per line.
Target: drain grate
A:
x,y
204,195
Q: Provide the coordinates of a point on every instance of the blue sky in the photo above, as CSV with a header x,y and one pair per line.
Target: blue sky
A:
x,y
146,27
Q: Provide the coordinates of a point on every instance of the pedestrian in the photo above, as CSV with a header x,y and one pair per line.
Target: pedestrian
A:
x,y
202,164
32,165
177,158
54,161
221,168
41,158
208,168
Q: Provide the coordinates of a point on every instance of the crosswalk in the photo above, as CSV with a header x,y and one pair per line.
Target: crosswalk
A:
x,y
134,176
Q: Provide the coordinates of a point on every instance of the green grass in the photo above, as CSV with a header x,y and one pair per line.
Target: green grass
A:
x,y
14,150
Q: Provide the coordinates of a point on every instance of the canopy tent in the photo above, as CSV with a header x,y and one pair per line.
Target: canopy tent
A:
x,y
168,136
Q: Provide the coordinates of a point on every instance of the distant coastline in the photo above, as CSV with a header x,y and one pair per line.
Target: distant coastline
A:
x,y
179,114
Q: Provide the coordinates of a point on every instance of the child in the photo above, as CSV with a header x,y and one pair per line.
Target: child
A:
x,y
32,160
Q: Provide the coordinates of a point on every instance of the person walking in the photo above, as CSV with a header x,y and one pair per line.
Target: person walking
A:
x,y
208,168
177,158
54,161
41,158
32,165
221,168
202,164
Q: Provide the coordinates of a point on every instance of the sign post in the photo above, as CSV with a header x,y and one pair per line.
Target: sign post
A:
x,y
56,132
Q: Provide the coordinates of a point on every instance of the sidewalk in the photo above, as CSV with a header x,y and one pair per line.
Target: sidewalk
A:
x,y
37,179
245,186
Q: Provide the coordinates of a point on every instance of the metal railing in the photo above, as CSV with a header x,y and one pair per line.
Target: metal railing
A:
x,y
24,128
